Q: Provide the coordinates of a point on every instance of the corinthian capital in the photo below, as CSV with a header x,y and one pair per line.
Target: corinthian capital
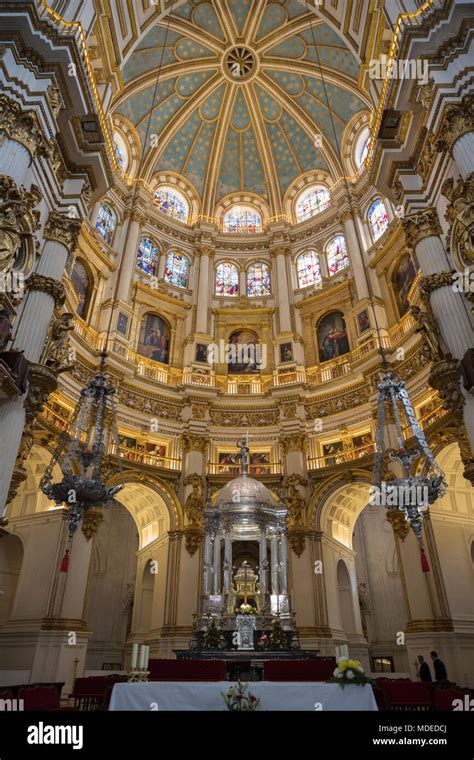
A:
x,y
422,225
22,126
458,120
63,229
47,285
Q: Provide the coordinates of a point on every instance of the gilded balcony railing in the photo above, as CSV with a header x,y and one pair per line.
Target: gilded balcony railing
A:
x,y
219,468
341,457
144,457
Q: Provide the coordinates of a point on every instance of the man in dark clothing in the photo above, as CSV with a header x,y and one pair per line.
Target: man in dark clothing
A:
x,y
424,669
439,667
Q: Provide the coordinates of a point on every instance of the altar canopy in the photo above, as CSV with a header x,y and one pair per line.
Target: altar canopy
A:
x,y
245,513
201,696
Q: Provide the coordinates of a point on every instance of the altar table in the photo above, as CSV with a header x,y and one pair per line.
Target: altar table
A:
x,y
204,695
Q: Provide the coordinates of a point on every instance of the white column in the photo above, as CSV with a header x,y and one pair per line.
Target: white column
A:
x,y
37,308
356,258
207,563
129,257
242,282
274,558
448,306
262,563
283,292
227,560
216,576
12,419
14,160
463,154
161,266
283,563
203,289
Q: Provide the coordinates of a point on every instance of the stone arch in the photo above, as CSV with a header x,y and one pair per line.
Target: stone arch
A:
x,y
153,505
335,508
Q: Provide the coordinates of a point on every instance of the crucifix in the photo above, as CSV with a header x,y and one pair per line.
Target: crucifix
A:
x,y
244,453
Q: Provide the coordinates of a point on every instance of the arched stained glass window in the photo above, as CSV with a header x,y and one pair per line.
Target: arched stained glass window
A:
x,y
121,152
106,222
242,219
378,219
258,279
172,203
308,269
227,279
311,202
147,256
177,270
364,152
336,252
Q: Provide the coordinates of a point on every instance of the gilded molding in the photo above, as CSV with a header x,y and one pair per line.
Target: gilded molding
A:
x,y
432,282
458,120
294,442
22,126
63,229
48,285
17,218
460,215
191,442
399,523
91,521
42,381
424,224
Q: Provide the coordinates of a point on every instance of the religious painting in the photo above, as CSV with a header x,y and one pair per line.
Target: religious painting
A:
x,y
229,461
122,323
155,338
363,322
201,353
429,412
332,336
244,354
330,450
259,462
403,280
127,442
80,281
286,352
363,444
156,449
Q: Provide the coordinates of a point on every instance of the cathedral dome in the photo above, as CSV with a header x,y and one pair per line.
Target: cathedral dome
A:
x,y
246,491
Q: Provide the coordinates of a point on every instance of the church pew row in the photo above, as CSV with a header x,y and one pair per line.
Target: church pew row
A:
x,y
403,695
92,692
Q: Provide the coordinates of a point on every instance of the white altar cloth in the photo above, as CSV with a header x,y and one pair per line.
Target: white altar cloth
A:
x,y
274,695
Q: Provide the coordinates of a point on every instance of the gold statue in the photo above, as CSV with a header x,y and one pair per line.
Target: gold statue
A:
x,y
194,505
429,331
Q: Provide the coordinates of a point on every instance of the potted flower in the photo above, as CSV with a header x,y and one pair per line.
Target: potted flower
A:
x,y
349,672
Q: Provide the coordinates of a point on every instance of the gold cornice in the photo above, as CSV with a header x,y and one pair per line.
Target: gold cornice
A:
x,y
162,296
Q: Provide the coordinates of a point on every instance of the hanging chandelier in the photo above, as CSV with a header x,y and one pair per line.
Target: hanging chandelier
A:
x,y
410,494
81,450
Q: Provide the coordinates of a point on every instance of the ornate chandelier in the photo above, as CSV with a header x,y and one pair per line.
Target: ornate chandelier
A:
x,y
410,494
81,451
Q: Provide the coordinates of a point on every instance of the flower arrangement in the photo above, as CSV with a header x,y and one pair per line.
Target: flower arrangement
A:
x,y
246,609
237,698
349,672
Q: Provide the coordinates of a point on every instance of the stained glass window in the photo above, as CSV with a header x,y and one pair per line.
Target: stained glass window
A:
x,y
258,279
177,270
242,219
365,151
378,219
311,202
105,222
172,203
336,252
147,256
120,150
308,269
227,279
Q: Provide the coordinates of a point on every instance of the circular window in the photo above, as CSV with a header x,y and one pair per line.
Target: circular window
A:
x,y
240,63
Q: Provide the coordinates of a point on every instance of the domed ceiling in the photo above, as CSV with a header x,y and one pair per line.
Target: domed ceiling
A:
x,y
240,100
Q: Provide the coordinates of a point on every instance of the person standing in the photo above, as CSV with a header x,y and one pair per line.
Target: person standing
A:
x,y
439,667
424,670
